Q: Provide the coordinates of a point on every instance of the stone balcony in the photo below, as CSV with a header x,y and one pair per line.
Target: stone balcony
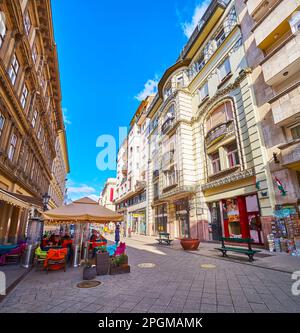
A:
x,y
283,61
290,154
285,106
274,22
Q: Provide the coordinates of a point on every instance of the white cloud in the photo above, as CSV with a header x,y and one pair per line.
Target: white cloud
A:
x,y
78,190
189,27
67,121
150,88
94,197
83,189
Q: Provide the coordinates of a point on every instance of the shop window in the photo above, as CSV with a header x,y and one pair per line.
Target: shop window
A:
x,y
27,23
232,155
24,96
215,162
295,132
13,69
2,121
224,69
2,28
12,147
232,215
203,91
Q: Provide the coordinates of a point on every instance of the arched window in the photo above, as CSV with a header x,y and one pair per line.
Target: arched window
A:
x,y
221,115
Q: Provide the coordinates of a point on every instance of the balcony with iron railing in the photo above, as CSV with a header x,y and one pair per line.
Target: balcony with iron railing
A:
x,y
168,124
140,185
174,184
219,132
211,46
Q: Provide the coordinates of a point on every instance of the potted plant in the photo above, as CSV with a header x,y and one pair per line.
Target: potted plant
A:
x,y
188,243
89,270
119,265
102,261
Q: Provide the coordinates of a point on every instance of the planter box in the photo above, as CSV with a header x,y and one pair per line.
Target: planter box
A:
x,y
123,269
102,263
89,273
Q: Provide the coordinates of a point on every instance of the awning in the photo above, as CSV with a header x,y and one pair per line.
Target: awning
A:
x,y
83,210
19,200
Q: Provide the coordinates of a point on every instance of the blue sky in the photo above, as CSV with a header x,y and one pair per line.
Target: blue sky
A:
x,y
111,53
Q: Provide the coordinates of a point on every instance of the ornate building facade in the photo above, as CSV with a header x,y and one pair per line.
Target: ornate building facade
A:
x,y
206,147
33,148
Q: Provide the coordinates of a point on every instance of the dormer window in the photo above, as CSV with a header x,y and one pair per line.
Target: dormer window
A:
x,y
168,90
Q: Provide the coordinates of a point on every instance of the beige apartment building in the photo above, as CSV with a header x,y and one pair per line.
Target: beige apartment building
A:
x,y
107,196
33,148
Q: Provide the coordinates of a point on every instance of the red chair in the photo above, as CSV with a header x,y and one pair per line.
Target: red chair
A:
x,y
56,260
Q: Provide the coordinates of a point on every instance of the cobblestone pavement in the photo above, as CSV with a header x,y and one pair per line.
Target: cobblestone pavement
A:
x,y
176,284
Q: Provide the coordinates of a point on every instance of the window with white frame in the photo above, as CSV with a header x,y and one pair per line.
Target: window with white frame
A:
x,y
224,69
27,23
2,28
34,53
203,91
12,146
24,96
34,118
2,121
232,155
215,162
13,69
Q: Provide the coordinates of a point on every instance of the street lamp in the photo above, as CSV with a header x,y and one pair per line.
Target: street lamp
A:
x,y
46,198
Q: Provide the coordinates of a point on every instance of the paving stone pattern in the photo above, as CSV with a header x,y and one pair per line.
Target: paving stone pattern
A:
x,y
177,284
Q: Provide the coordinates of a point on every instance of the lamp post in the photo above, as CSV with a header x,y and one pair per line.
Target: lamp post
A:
x,y
46,198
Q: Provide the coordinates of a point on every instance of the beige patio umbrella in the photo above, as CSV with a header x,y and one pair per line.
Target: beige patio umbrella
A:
x,y
81,213
84,210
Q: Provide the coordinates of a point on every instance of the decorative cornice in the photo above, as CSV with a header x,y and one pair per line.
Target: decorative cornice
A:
x,y
229,179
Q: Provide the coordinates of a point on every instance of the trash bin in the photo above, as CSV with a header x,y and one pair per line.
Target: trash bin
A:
x,y
28,256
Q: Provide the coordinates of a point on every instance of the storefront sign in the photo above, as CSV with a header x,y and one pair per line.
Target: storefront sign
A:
x,y
138,215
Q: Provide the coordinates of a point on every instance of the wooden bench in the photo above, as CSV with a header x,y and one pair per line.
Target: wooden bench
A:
x,y
164,237
248,251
